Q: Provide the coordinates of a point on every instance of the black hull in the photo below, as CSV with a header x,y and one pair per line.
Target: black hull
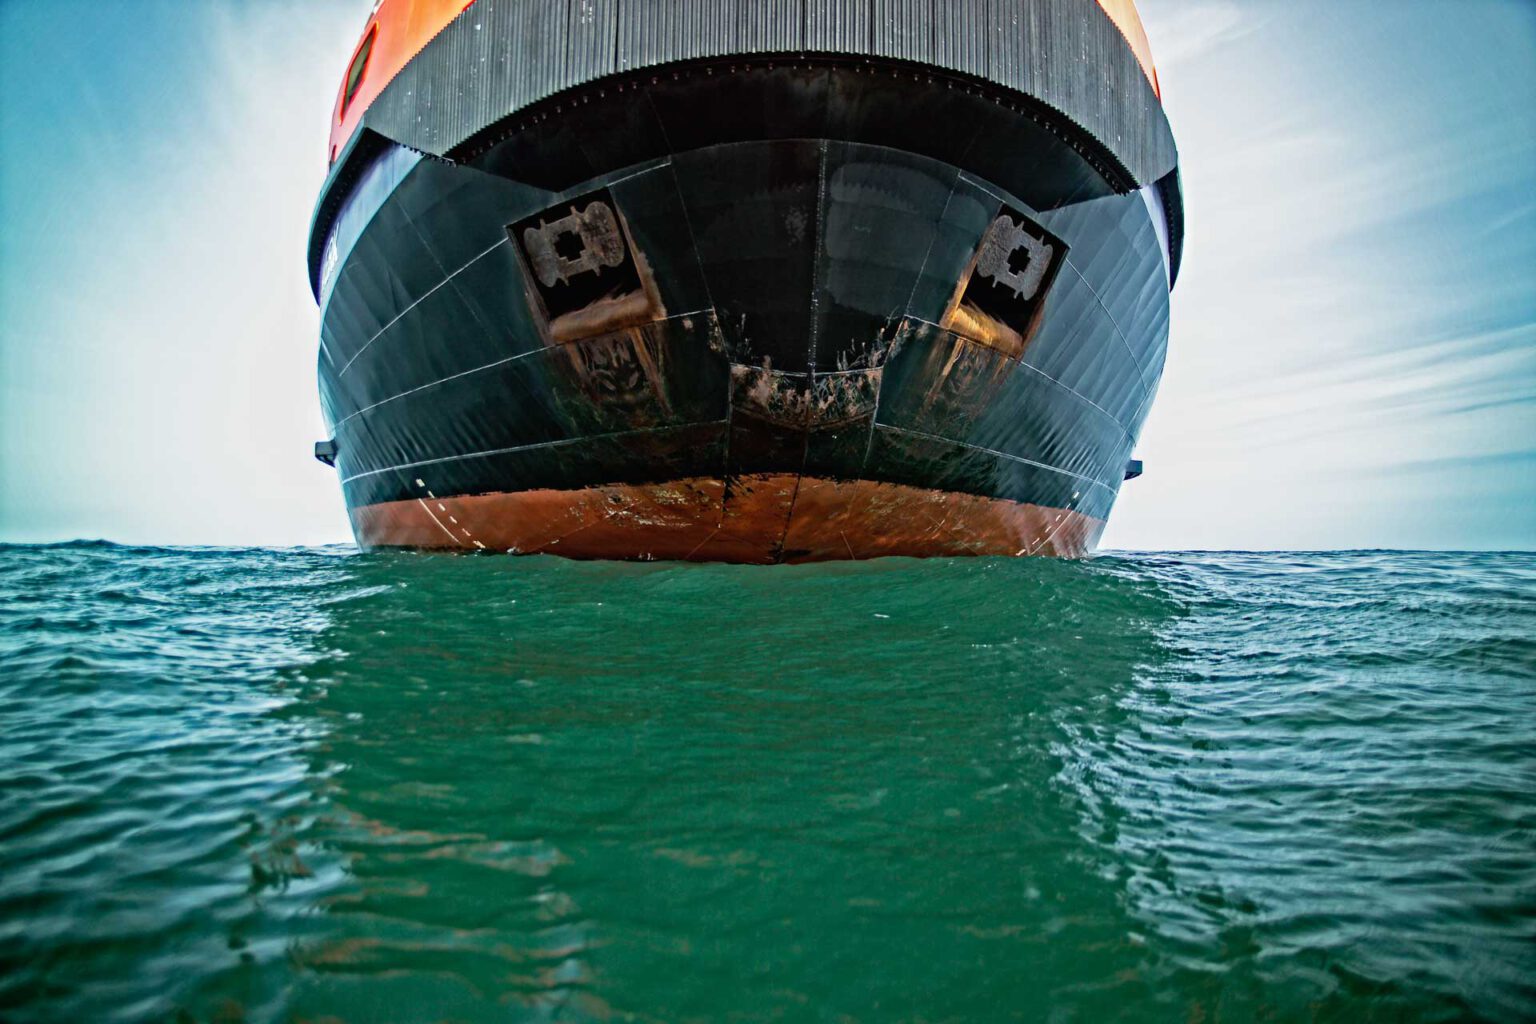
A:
x,y
797,348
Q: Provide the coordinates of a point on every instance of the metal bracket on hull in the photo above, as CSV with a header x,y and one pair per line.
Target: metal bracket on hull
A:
x,y
325,451
1133,469
1000,299
598,244
585,274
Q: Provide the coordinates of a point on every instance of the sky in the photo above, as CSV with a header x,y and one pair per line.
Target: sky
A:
x,y
1353,352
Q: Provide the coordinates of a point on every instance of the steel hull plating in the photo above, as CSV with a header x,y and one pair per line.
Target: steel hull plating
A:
x,y
766,312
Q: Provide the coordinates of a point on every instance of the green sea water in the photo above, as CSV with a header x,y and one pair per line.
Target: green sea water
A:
x,y
316,785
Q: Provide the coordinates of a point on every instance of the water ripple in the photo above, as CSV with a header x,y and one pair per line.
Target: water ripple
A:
x,y
288,784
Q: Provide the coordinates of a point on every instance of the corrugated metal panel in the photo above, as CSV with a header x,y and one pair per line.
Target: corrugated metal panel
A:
x,y
657,31
646,33
452,94
839,26
1005,28
519,41
636,28
709,29
771,26
1053,30
960,36
905,29
591,43
499,56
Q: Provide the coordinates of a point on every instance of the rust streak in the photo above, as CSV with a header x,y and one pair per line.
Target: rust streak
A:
x,y
686,520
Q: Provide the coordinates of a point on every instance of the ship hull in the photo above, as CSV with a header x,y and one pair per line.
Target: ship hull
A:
x,y
757,313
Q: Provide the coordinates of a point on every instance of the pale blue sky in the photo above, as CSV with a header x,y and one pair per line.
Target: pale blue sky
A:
x,y
1353,361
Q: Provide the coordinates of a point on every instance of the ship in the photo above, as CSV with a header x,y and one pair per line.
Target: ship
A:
x,y
751,281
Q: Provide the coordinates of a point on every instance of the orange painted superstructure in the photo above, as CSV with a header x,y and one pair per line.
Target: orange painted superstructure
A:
x,y
1123,14
400,28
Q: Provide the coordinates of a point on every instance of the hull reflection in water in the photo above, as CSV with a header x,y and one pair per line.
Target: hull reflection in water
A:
x,y
300,785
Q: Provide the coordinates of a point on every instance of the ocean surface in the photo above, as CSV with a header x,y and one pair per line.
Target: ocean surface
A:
x,y
274,785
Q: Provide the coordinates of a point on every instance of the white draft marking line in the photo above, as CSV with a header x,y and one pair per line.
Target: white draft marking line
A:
x,y
1051,534
1069,389
439,522
413,305
528,447
442,380
481,369
990,451
442,508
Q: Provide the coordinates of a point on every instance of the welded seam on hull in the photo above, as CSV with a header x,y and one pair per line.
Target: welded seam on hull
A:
x,y
712,309
426,295
682,204
1035,369
993,192
562,442
992,451
693,241
816,267
712,534
906,312
542,548
816,254
650,168
1069,389
928,253
1141,371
